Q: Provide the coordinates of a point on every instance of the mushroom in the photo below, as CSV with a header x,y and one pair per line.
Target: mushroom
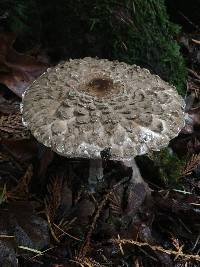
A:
x,y
83,106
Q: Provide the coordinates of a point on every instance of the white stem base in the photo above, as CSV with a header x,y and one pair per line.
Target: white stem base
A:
x,y
136,176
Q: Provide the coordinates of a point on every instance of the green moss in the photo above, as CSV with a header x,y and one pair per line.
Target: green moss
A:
x,y
169,166
150,42
134,31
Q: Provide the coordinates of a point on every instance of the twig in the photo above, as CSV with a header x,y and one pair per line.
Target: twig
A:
x,y
177,254
42,253
196,242
182,192
7,236
188,20
84,248
51,229
194,73
86,262
148,255
120,247
184,226
65,233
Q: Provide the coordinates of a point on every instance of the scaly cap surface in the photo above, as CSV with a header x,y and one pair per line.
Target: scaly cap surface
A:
x,y
83,106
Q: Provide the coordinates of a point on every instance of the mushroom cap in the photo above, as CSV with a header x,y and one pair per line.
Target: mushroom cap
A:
x,y
83,106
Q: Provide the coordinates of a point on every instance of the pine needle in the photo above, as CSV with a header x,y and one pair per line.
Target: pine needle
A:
x,y
53,200
191,165
65,233
38,252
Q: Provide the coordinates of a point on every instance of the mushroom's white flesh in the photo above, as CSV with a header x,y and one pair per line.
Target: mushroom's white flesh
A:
x,y
136,176
95,172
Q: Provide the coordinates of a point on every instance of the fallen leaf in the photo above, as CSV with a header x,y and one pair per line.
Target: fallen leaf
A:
x,y
17,70
22,150
20,220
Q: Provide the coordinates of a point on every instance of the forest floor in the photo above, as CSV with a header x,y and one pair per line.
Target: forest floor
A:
x,y
48,217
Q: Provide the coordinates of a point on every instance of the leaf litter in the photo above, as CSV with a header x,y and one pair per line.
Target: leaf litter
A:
x,y
50,218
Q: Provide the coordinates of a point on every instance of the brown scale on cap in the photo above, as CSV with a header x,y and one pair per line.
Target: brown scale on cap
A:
x,y
101,87
83,106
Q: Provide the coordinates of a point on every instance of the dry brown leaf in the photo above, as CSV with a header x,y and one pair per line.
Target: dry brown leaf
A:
x,y
17,70
8,106
22,150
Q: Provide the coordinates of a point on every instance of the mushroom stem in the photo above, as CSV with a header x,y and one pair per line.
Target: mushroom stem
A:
x,y
95,172
136,176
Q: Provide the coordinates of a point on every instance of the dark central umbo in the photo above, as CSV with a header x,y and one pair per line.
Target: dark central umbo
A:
x,y
100,84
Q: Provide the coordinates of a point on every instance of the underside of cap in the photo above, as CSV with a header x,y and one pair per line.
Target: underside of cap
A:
x,y
83,106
